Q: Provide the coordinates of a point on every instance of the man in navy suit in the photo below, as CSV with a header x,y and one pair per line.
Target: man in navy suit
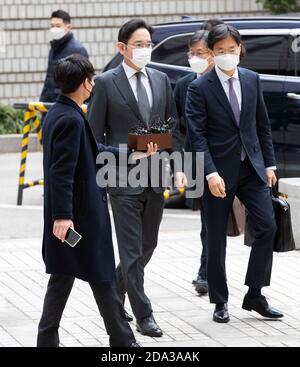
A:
x,y
228,121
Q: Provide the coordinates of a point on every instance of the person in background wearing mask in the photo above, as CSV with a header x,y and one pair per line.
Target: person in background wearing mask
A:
x,y
73,199
198,58
63,44
227,120
124,97
201,61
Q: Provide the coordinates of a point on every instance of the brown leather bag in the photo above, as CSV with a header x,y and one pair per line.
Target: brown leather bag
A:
x,y
236,219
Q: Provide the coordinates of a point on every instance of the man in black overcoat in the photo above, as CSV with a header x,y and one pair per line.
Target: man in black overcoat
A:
x,y
73,199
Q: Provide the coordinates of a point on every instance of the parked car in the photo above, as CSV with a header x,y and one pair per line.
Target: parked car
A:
x,y
268,42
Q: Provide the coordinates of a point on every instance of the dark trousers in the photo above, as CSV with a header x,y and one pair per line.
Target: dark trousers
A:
x,y
137,219
256,197
108,302
196,204
203,259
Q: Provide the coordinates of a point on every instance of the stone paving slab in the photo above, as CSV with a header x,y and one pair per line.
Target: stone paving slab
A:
x,y
185,317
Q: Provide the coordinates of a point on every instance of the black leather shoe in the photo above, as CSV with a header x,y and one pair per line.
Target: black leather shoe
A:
x,y
126,315
261,306
221,314
148,326
134,344
201,285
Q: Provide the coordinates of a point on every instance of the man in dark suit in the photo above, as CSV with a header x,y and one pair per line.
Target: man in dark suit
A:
x,y
124,97
228,121
201,62
73,199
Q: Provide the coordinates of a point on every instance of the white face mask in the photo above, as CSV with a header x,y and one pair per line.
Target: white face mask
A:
x,y
198,64
57,33
227,62
141,56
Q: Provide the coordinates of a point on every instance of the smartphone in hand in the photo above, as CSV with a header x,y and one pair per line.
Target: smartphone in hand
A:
x,y
72,237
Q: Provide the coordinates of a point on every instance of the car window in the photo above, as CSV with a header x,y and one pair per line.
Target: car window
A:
x,y
113,63
293,64
173,51
265,54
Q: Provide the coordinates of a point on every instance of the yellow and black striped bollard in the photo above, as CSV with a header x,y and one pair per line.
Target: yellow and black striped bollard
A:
x,y
31,116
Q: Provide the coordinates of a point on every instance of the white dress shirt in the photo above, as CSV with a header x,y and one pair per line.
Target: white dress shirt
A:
x,y
130,73
224,79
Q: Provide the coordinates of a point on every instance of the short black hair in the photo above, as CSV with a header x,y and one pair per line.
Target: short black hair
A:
x,y
209,24
61,14
198,37
72,71
221,32
130,27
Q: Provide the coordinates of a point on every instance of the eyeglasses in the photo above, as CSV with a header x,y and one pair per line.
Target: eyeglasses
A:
x,y
198,54
140,45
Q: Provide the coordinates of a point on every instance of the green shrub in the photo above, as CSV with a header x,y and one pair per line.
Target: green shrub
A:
x,y
11,120
281,6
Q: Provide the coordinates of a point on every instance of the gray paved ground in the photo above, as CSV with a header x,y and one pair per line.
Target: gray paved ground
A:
x,y
185,317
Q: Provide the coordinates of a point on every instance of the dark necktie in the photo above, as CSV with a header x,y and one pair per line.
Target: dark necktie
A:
x,y
142,97
235,109
234,101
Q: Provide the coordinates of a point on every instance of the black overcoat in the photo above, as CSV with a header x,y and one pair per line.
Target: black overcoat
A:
x,y
71,192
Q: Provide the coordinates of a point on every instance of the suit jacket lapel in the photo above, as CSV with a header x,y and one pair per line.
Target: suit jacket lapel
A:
x,y
122,83
243,81
217,88
154,84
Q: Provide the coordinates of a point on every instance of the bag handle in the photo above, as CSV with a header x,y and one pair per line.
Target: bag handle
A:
x,y
274,192
277,194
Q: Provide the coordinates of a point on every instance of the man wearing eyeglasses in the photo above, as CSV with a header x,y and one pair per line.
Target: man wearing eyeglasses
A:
x,y
124,97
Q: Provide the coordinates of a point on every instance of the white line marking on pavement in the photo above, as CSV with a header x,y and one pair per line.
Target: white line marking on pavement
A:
x,y
182,216
40,207
27,207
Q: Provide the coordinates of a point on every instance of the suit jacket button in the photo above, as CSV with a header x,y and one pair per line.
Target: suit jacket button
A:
x,y
104,198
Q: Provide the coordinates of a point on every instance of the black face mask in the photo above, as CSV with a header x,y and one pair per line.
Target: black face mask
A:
x,y
91,94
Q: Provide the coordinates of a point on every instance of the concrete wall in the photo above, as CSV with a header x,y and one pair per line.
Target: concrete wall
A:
x,y
95,22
